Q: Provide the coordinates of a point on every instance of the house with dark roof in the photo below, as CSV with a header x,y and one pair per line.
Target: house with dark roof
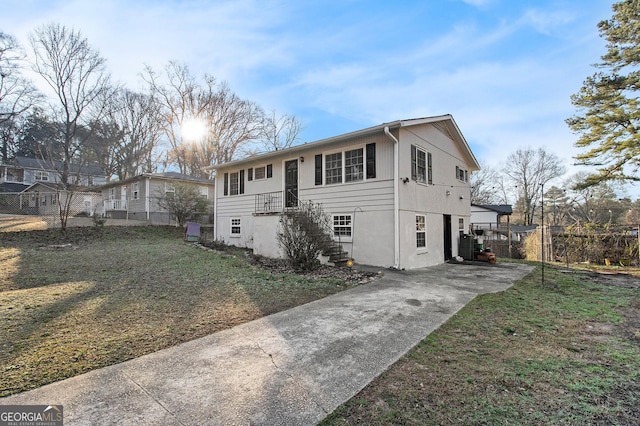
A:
x,y
137,198
33,186
491,220
19,173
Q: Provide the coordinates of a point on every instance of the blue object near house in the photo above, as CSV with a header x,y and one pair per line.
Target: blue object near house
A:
x,y
193,231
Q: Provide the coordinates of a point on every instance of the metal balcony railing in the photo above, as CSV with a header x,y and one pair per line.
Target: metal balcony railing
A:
x,y
270,202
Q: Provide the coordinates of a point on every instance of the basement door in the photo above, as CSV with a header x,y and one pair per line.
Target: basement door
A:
x,y
291,183
447,237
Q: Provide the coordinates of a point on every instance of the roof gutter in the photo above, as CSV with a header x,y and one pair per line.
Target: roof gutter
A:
x,y
396,198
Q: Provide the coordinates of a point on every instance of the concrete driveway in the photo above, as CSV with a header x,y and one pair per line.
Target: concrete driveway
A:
x,y
291,368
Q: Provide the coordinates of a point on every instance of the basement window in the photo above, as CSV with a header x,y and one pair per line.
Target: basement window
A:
x,y
236,227
342,225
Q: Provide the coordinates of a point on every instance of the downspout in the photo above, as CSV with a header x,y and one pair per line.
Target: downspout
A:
x,y
396,198
147,197
215,207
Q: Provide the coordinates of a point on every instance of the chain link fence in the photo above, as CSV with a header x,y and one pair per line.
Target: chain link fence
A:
x,y
49,205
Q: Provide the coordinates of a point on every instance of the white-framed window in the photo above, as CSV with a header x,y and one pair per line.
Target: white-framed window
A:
x,y
41,175
354,165
169,187
53,199
112,193
236,226
333,168
135,191
461,225
204,191
43,200
342,225
260,173
462,174
234,183
421,231
421,165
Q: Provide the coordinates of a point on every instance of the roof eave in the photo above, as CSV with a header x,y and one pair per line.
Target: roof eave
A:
x,y
306,146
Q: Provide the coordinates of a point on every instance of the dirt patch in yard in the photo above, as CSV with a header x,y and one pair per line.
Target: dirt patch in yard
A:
x,y
349,275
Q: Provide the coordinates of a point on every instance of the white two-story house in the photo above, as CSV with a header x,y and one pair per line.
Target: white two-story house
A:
x,y
396,195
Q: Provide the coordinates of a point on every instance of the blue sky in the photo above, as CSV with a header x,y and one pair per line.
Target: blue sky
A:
x,y
505,69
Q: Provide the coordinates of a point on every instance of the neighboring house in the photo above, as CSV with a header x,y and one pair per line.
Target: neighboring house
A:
x,y
27,171
32,186
521,232
397,194
44,198
137,198
492,220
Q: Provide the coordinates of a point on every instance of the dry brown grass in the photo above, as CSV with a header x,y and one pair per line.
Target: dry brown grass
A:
x,y
102,296
10,223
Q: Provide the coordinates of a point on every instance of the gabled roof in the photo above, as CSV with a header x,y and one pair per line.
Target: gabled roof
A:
x,y
447,120
501,209
172,176
51,186
52,165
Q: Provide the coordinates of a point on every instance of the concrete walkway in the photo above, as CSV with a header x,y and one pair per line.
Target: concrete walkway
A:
x,y
291,368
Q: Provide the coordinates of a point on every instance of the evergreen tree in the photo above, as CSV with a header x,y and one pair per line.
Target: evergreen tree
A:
x,y
608,119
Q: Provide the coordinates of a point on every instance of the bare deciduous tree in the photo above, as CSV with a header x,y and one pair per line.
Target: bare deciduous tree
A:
x,y
138,117
228,121
17,94
76,74
486,186
528,170
279,132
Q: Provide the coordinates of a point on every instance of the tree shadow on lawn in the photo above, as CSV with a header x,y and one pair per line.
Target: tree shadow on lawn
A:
x,y
58,325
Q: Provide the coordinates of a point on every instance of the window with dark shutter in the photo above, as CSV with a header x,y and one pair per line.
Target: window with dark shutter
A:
x,y
414,169
269,171
319,169
430,169
226,184
371,160
241,181
250,174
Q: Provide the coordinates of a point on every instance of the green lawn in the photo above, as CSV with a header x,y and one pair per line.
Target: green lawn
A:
x,y
565,353
102,296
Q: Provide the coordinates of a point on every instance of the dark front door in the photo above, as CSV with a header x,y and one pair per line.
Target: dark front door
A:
x,y
447,237
291,183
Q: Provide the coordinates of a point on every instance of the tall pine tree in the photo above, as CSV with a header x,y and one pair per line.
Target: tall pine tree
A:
x,y
608,117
